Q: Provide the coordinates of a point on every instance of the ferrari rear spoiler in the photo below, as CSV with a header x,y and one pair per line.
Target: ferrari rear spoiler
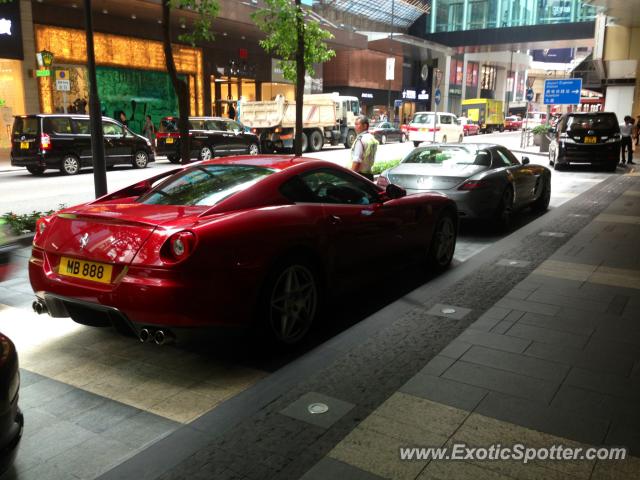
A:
x,y
135,190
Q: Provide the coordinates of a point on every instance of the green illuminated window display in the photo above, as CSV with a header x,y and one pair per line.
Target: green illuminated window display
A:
x,y
457,15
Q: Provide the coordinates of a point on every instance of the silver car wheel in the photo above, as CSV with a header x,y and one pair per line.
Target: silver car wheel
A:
x,y
70,165
293,303
253,149
206,153
141,160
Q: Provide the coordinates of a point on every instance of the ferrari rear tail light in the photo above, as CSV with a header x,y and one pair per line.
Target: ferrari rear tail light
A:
x,y
41,226
473,185
45,142
179,246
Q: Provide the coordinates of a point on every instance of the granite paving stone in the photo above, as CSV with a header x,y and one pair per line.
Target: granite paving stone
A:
x,y
546,335
585,326
502,381
329,468
493,340
442,390
528,306
516,363
455,349
541,417
604,383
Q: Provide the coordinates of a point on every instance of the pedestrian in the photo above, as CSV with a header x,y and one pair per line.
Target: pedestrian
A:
x,y
363,150
149,131
123,118
232,111
625,131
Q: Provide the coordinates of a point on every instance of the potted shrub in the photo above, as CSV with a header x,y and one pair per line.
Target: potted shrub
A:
x,y
539,132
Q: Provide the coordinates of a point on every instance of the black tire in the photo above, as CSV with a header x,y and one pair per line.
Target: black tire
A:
x,y
316,141
206,153
305,142
504,211
173,158
36,170
612,167
461,139
444,139
443,242
140,159
383,139
70,165
415,144
403,138
541,204
351,137
291,293
253,149
557,165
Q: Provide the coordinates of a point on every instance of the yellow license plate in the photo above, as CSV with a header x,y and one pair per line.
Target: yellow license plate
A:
x,y
590,139
24,145
93,271
424,129
169,140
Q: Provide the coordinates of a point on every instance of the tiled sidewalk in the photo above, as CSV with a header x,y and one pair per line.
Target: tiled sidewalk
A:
x,y
556,361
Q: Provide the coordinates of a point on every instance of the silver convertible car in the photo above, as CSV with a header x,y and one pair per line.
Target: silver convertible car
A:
x,y
486,181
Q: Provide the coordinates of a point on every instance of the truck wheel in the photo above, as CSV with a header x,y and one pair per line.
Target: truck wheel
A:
x,y
305,142
351,137
316,141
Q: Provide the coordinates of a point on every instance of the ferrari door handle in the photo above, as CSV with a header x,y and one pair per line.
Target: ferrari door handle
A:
x,y
334,219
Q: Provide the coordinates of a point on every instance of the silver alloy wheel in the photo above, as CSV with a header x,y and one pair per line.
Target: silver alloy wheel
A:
x,y
141,160
206,153
383,139
293,303
446,241
70,165
253,149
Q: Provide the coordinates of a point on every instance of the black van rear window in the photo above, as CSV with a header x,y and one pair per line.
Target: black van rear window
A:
x,y
56,125
601,121
25,126
168,125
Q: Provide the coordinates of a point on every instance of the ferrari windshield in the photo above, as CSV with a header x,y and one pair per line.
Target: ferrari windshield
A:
x,y
448,156
205,185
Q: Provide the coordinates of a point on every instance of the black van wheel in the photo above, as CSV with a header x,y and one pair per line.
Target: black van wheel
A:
x,y
141,159
174,158
35,170
70,165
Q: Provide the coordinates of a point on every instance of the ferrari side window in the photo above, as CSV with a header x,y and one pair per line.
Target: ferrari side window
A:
x,y
338,187
297,191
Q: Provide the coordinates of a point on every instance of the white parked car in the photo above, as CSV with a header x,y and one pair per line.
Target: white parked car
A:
x,y
447,128
533,119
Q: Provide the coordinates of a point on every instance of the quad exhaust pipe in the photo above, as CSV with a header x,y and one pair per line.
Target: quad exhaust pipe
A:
x,y
39,307
159,337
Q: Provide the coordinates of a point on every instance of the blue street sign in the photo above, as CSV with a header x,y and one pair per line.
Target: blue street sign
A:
x,y
529,95
562,92
437,96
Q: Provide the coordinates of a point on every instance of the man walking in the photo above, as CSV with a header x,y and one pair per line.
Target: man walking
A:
x,y
363,150
625,131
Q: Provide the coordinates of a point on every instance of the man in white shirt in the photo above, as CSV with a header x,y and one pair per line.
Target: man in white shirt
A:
x,y
363,150
625,131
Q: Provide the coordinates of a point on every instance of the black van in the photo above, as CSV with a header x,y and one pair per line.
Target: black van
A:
x,y
61,141
586,137
210,137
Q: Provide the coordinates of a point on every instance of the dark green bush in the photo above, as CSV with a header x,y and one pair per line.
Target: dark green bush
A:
x,y
21,223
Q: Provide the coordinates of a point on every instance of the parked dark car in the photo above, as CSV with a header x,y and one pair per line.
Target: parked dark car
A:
x,y
591,137
210,137
63,142
386,131
485,180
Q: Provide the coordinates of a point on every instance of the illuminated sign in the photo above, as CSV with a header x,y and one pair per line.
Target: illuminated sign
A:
x,y
366,95
10,32
409,94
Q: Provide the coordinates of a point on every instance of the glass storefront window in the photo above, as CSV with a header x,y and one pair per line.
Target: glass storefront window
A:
x,y
11,98
457,15
271,89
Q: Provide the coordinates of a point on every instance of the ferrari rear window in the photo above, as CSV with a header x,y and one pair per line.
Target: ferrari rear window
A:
x,y
205,185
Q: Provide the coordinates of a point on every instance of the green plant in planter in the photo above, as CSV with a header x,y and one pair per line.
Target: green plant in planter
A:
x,y
25,223
541,129
380,167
